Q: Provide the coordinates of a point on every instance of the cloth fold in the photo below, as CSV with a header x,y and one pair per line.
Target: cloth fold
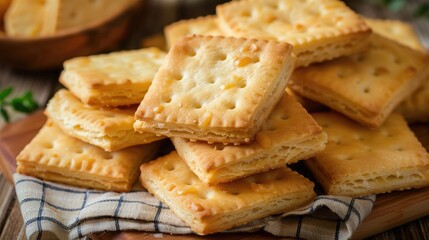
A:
x,y
65,212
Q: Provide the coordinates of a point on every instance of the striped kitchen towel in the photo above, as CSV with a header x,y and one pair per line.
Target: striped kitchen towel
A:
x,y
53,210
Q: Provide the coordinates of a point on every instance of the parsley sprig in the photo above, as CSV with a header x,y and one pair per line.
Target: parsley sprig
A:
x,y
24,103
420,9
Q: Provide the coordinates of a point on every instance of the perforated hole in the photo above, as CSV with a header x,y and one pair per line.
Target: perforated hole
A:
x,y
48,145
242,84
285,117
269,18
108,156
366,90
235,193
196,105
219,147
166,99
191,52
300,27
211,80
399,149
170,167
245,14
178,77
244,61
221,56
230,105
397,61
380,71
340,75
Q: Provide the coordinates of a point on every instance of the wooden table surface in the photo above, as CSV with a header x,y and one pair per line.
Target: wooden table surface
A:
x,y
44,84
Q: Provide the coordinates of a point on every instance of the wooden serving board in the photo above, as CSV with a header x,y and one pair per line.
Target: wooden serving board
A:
x,y
390,210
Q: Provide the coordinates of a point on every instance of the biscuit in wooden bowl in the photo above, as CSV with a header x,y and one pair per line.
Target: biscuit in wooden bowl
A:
x,y
206,25
223,90
318,30
360,161
414,108
290,134
367,86
114,79
213,209
108,128
55,156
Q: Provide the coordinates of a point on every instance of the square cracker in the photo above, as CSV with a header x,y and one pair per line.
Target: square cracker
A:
x,y
108,128
360,161
206,25
413,108
114,79
24,18
290,134
318,30
367,86
396,30
55,156
213,209
222,91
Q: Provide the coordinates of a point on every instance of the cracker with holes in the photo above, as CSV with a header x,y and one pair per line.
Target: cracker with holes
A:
x,y
414,108
396,30
360,161
55,156
114,79
213,209
318,30
108,128
367,86
290,134
206,25
223,90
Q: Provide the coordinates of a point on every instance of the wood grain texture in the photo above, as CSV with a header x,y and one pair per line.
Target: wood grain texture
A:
x,y
390,210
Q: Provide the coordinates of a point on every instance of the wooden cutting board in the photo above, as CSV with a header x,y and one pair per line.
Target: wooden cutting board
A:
x,y
390,210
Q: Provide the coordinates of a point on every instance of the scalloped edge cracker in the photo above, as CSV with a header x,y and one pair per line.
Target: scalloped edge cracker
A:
x,y
318,30
108,128
213,209
223,90
290,134
206,25
359,161
368,86
54,156
114,79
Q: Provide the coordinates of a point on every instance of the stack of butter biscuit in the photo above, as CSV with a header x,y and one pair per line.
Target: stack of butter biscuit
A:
x,y
228,96
92,143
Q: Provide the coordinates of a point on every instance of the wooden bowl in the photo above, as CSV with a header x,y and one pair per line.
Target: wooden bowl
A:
x,y
48,52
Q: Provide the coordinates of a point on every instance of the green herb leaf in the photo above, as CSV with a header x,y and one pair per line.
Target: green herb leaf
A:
x,y
422,10
5,93
24,103
4,114
395,5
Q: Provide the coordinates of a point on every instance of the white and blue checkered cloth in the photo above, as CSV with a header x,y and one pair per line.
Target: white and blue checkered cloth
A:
x,y
58,211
